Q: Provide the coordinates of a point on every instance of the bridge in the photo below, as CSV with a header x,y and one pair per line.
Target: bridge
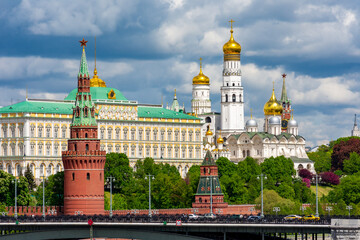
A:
x,y
76,227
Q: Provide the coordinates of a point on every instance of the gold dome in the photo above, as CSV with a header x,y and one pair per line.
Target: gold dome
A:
x,y
209,132
220,139
201,78
96,81
232,47
273,107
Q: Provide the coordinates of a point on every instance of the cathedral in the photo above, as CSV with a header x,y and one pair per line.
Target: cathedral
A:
x,y
226,134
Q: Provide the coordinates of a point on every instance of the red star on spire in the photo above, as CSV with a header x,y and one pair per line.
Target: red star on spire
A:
x,y
83,42
284,75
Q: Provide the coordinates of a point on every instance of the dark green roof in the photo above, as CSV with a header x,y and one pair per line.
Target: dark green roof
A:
x,y
208,160
100,93
159,112
301,160
204,186
264,135
39,107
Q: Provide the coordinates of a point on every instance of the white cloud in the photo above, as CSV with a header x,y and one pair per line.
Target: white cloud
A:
x,y
67,17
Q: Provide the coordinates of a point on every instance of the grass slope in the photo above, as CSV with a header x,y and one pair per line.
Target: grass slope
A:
x,y
323,190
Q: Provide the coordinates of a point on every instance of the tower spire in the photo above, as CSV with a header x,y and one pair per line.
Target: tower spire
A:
x,y
355,123
83,71
284,97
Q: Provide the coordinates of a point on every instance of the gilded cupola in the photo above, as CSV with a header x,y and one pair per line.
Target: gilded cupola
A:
x,y
201,78
209,132
232,47
220,140
273,107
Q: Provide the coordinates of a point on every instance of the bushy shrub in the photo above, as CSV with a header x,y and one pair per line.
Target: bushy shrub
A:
x,y
307,181
304,173
331,178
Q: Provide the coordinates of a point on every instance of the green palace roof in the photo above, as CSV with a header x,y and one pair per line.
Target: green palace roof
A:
x,y
159,112
39,107
66,108
100,93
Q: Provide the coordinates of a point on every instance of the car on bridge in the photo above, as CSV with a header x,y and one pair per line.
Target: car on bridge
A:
x,y
293,218
193,217
210,216
310,218
255,218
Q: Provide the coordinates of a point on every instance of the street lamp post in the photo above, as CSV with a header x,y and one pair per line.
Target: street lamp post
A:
x,y
15,181
110,180
149,177
43,178
261,176
276,209
317,178
329,209
211,208
302,208
251,210
349,208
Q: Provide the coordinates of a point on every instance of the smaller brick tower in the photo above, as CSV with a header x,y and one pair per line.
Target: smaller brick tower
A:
x,y
83,162
286,105
209,172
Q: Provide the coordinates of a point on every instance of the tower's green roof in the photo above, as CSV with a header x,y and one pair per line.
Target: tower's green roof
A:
x,y
98,93
208,160
83,65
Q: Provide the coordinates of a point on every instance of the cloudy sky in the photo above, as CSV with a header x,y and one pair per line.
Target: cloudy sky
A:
x,y
146,49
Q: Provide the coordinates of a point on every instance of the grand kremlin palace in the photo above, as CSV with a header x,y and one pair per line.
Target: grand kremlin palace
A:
x,y
35,132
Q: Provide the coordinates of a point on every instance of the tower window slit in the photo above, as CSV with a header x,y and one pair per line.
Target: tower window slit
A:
x,y
73,176
87,147
88,176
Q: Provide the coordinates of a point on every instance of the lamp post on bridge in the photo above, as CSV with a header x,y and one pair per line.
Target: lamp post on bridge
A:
x,y
317,178
261,177
16,180
302,208
251,210
329,209
150,177
43,178
276,209
349,208
110,180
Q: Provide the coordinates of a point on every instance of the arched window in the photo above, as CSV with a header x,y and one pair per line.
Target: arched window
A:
x,y
233,84
248,153
86,135
240,98
234,98
208,120
226,98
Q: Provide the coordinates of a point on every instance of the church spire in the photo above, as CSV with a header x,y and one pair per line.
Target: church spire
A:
x,y
355,123
83,71
284,97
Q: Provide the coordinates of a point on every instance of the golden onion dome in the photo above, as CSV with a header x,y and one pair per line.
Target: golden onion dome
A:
x,y
201,78
232,47
96,81
220,140
273,107
209,132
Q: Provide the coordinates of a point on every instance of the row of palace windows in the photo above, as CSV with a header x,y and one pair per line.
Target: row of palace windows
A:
x,y
41,132
246,153
14,131
148,135
233,98
43,170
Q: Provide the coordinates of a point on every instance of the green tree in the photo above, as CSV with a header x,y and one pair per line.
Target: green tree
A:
x,y
117,165
272,199
352,165
248,168
278,170
30,178
348,190
54,190
225,167
321,158
234,189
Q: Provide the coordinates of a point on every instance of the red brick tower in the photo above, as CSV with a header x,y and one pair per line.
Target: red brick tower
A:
x,y
209,178
83,162
286,105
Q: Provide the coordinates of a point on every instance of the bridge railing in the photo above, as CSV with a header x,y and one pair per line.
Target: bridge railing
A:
x,y
130,218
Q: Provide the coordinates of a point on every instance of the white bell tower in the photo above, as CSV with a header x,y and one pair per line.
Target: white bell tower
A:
x,y
232,97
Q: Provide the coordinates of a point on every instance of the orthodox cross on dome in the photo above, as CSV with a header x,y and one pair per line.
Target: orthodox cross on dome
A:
x,y
251,113
273,84
83,43
284,75
200,63
231,22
